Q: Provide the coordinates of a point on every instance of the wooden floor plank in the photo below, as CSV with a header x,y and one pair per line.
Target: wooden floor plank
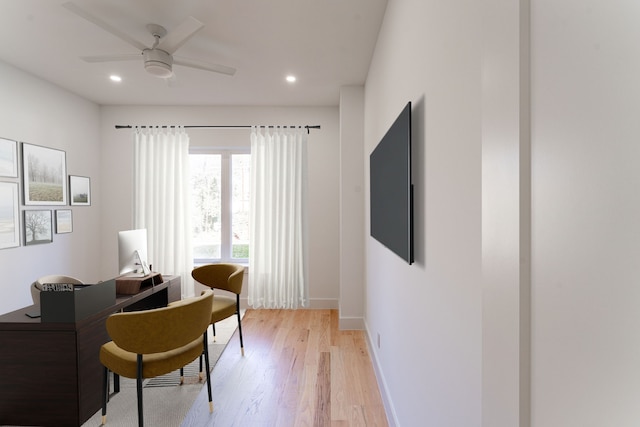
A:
x,y
323,391
299,370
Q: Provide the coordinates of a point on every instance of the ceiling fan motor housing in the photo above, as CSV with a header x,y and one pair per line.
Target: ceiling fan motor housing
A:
x,y
158,62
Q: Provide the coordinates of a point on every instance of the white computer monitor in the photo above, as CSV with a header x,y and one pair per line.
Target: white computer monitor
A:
x,y
132,252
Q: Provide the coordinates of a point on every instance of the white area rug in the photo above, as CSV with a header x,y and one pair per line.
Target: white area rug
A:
x,y
165,402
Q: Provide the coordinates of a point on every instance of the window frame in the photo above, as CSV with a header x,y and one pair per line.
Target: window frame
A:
x,y
226,194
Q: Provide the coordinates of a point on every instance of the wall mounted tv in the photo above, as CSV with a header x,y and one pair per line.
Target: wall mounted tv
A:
x,y
391,188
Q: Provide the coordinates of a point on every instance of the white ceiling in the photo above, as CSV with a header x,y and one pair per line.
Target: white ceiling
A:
x,y
325,43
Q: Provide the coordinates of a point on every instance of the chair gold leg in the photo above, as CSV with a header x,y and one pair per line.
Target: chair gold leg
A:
x,y
104,420
211,407
200,376
181,380
242,351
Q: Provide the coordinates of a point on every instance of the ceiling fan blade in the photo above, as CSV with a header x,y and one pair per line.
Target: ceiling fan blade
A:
x,y
110,58
179,35
222,69
102,24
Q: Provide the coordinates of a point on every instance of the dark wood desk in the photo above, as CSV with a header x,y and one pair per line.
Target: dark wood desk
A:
x,y
50,373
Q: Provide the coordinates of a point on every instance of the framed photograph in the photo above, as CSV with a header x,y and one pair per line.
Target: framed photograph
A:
x,y
79,190
37,227
64,221
9,215
8,158
45,175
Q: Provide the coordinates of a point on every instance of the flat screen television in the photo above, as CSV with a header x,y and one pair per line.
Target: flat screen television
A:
x,y
132,252
391,188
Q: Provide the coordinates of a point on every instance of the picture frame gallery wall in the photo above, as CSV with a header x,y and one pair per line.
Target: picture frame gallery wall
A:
x,y
41,173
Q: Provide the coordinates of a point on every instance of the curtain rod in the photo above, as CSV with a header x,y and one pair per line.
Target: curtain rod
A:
x,y
307,127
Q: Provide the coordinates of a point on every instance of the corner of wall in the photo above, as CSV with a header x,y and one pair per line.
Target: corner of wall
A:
x,y
351,207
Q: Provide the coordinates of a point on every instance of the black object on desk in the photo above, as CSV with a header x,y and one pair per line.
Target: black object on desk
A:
x,y
63,306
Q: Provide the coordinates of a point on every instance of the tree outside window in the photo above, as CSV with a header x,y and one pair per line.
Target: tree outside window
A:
x,y
220,197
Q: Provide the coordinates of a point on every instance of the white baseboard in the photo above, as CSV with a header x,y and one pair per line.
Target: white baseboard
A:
x,y
389,409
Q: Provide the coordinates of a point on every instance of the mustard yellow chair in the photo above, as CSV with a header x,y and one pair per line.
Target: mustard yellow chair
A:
x,y
150,343
36,287
227,277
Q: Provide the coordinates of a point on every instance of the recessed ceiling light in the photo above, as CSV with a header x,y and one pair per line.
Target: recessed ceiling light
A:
x,y
115,78
291,79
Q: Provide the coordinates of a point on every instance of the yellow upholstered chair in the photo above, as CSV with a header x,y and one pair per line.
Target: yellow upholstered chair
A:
x,y
227,277
36,287
150,343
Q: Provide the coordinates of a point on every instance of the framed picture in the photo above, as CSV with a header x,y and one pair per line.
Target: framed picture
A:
x,y
37,227
8,158
64,221
45,175
79,190
9,215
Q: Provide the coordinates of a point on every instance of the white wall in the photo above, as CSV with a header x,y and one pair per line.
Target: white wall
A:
x,y
39,113
523,257
351,207
586,211
506,225
429,314
324,172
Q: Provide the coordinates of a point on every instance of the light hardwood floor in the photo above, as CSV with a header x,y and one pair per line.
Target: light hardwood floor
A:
x,y
298,370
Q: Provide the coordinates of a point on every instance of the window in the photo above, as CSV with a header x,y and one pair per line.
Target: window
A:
x,y
220,197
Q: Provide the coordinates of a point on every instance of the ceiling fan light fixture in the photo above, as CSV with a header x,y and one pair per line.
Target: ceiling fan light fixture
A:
x,y
158,63
158,69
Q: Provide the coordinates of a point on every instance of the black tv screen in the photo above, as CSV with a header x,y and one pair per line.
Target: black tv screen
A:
x,y
391,188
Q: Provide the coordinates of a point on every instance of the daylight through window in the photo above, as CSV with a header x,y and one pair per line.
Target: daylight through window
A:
x,y
220,197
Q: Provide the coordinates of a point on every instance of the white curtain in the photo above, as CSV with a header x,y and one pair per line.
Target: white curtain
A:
x,y
161,200
278,275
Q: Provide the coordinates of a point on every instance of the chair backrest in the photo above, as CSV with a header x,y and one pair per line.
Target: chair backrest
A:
x,y
36,286
162,329
227,277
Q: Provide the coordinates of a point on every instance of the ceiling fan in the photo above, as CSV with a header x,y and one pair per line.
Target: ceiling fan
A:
x,y
158,58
